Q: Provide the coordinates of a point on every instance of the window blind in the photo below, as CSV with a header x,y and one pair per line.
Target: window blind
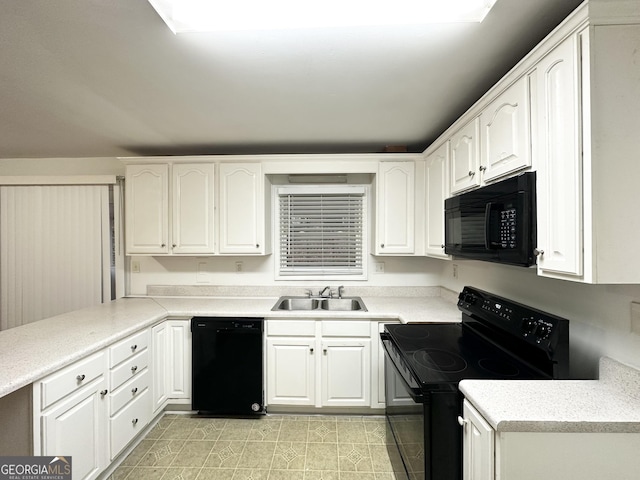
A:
x,y
54,251
321,230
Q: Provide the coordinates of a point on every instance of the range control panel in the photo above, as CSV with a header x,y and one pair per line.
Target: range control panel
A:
x,y
534,326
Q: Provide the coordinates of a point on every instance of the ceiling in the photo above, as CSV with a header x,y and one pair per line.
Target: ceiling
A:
x,y
102,78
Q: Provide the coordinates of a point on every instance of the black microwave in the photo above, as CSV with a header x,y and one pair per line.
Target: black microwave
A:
x,y
495,223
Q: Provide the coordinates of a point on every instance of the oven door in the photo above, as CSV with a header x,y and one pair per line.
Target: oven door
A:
x,y
423,424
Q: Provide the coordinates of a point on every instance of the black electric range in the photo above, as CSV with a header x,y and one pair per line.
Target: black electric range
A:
x,y
424,362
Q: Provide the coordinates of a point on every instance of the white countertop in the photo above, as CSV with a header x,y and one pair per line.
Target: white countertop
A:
x,y
30,352
610,404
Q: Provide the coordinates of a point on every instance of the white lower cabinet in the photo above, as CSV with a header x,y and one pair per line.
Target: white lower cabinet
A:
x,y
319,363
584,455
129,398
478,445
71,414
171,362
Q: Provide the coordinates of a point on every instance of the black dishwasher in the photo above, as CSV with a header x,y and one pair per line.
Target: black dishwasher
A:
x,y
227,366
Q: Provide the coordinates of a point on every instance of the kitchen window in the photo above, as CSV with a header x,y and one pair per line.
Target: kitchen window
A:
x,y
321,231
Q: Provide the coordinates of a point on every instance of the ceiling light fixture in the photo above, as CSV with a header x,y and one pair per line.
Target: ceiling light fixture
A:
x,y
226,15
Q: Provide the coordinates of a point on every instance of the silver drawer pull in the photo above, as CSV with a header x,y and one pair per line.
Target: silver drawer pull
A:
x,y
134,348
134,369
104,392
134,422
80,378
134,390
461,421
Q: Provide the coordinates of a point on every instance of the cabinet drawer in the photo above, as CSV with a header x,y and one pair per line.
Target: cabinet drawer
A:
x,y
71,378
129,422
129,391
128,347
294,328
344,328
129,369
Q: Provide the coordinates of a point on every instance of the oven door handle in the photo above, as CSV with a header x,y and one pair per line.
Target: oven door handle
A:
x,y
415,393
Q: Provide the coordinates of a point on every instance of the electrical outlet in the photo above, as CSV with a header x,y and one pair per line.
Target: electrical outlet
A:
x,y
379,267
635,317
455,270
202,275
135,266
239,266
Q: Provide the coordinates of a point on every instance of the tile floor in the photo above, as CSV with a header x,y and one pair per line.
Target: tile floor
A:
x,y
273,447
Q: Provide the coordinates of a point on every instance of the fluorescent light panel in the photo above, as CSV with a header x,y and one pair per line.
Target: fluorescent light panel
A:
x,y
226,15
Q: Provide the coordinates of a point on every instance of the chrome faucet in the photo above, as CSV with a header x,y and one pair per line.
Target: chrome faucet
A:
x,y
324,290
340,289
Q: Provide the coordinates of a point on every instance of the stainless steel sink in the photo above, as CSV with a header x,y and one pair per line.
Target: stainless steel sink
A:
x,y
296,303
345,304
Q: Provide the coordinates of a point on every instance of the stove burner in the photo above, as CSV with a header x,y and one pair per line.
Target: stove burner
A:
x,y
440,360
412,332
497,367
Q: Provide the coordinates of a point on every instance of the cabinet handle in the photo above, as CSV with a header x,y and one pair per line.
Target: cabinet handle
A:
x,y
80,378
324,350
174,245
482,168
461,421
134,369
471,173
382,245
538,252
134,348
163,245
257,245
104,392
311,351
442,246
134,422
134,390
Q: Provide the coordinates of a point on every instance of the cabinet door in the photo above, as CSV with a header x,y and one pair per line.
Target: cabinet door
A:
x,y
395,189
242,209
179,359
147,209
465,157
506,131
159,355
346,372
559,177
192,208
77,427
478,446
291,371
171,364
437,182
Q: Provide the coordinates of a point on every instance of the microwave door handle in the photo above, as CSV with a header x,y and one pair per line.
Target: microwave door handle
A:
x,y
487,230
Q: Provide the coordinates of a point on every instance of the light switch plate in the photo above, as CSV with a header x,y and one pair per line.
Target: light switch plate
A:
x,y
635,317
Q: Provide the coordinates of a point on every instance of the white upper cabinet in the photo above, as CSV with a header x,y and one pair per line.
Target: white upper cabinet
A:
x,y
437,185
192,208
148,215
506,132
395,213
559,177
147,209
465,157
242,209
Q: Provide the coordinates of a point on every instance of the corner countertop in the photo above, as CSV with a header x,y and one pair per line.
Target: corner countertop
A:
x,y
30,352
610,404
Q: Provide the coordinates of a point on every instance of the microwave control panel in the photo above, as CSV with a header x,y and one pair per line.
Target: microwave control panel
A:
x,y
508,228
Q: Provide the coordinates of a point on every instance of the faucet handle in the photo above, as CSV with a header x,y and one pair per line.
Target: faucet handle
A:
x,y
309,292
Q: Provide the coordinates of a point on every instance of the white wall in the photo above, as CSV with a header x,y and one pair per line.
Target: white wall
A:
x,y
599,315
398,271
61,166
